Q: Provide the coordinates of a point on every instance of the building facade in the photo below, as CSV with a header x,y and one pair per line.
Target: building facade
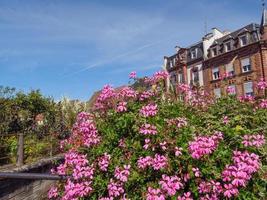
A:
x,y
223,62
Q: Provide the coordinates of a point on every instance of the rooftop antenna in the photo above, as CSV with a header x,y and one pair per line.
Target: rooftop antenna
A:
x,y
263,3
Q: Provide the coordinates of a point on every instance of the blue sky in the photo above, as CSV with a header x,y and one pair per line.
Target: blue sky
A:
x,y
73,47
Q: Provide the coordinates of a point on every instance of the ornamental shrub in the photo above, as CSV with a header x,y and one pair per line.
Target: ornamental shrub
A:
x,y
147,144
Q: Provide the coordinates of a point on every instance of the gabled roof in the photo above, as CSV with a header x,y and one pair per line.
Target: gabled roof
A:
x,y
249,28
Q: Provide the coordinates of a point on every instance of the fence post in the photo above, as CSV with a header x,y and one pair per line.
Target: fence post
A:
x,y
20,154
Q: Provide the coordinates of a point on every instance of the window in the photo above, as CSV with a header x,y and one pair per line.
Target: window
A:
x,y
173,78
248,88
193,53
180,78
214,52
227,46
217,92
195,76
243,40
215,73
171,65
229,68
174,61
246,66
231,89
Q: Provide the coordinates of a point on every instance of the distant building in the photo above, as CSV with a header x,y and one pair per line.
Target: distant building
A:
x,y
223,61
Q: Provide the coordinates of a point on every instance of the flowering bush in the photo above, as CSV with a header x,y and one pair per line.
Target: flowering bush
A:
x,y
148,145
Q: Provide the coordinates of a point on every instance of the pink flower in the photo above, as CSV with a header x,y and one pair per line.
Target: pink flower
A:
x,y
196,171
159,162
103,100
230,90
230,191
225,120
253,140
121,107
122,174
103,162
238,174
149,110
53,193
163,145
154,194
178,151
170,184
148,129
262,84
246,98
115,189
127,93
144,162
75,190
204,145
263,104
132,75
185,196
146,95
184,87
147,142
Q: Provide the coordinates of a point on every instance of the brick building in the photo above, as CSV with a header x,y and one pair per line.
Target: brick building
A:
x,y
223,61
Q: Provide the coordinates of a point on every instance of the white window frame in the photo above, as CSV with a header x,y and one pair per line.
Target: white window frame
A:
x,y
217,75
195,75
226,47
229,69
194,53
241,41
180,77
217,92
247,91
246,67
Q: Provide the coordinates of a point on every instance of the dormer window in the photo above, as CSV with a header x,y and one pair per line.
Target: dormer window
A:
x,y
243,40
171,64
193,53
227,46
214,52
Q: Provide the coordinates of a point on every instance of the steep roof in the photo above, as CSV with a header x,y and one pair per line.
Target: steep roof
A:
x,y
248,28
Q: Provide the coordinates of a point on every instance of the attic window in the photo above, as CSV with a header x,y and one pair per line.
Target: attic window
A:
x,y
243,40
214,52
193,53
227,46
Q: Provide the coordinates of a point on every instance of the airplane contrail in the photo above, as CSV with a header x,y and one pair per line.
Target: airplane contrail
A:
x,y
114,58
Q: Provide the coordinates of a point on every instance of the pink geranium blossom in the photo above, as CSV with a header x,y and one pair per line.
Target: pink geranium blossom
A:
x,y
204,145
149,110
154,194
148,129
253,140
170,184
121,107
132,75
